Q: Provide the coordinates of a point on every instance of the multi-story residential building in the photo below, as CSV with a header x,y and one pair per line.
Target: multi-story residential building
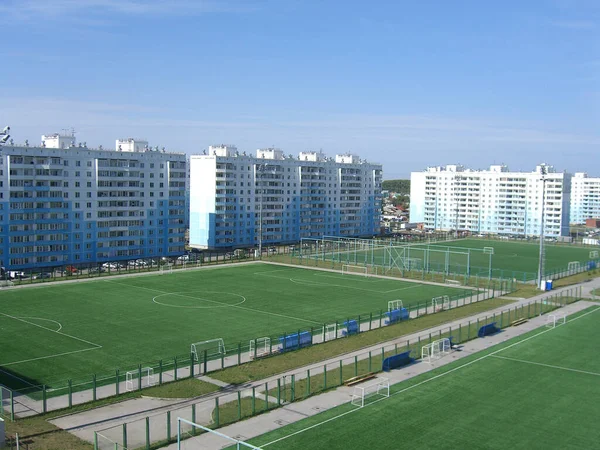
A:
x,y
491,201
585,198
63,203
243,201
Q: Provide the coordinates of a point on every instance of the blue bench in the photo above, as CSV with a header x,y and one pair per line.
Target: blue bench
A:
x,y
488,329
351,328
396,315
295,341
399,360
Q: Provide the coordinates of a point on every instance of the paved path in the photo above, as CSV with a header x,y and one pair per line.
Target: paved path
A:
x,y
134,412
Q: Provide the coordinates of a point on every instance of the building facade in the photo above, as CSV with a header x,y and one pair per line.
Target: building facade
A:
x,y
63,203
492,201
585,198
238,200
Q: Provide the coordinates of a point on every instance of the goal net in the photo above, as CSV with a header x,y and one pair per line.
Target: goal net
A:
x,y
435,350
212,348
378,389
260,347
552,320
594,254
193,436
440,303
488,250
356,270
165,269
574,265
330,332
136,379
394,305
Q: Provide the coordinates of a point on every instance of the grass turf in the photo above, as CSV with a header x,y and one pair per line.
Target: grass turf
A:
x,y
77,329
539,390
511,259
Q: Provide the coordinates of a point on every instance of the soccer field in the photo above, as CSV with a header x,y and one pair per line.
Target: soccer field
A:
x,y
539,390
510,259
59,331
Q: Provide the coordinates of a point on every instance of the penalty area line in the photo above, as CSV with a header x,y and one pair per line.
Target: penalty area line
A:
x,y
48,357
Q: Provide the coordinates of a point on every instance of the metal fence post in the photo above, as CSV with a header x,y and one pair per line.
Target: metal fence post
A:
x,y
94,387
117,382
125,435
253,400
44,402
70,388
217,412
168,426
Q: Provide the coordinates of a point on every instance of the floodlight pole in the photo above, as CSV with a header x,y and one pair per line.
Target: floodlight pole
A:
x,y
541,257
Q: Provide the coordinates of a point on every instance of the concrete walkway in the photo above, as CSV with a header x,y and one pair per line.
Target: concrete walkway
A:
x,y
134,412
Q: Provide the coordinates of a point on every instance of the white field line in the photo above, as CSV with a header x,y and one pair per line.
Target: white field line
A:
x,y
48,357
53,331
214,301
47,320
317,283
547,365
18,378
423,382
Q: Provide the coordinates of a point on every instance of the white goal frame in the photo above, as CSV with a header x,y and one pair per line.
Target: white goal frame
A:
x,y
553,320
260,347
182,436
364,270
131,375
488,250
395,304
380,388
574,265
436,350
165,268
197,349
440,303
331,332
594,254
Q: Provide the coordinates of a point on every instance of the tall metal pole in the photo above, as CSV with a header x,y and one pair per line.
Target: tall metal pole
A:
x,y
542,256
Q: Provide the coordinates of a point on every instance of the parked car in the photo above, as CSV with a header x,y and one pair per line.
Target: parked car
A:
x,y
70,270
41,276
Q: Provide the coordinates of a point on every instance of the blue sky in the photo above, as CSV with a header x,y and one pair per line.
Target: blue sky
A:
x,y
408,84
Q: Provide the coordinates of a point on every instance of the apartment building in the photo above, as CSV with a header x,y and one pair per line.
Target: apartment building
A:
x,y
585,198
492,201
238,200
64,203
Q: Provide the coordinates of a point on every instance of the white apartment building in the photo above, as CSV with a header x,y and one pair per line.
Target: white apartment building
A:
x,y
237,200
491,201
585,198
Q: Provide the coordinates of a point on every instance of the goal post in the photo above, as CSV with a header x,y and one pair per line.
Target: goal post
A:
x,y
553,320
395,305
574,265
165,269
212,347
436,350
594,254
355,270
440,303
189,433
376,390
488,250
260,347
331,331
138,379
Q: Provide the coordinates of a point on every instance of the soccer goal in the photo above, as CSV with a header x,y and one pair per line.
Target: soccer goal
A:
x,y
552,320
189,435
379,389
165,268
6,283
331,331
260,347
440,303
574,266
394,305
594,254
355,270
488,250
212,348
435,350
135,379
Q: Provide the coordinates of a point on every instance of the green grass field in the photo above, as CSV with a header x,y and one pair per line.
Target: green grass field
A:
x,y
59,331
511,259
539,390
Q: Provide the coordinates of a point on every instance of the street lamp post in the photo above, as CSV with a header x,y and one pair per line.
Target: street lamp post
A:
x,y
542,250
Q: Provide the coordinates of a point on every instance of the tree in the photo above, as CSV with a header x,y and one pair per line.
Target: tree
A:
x,y
399,186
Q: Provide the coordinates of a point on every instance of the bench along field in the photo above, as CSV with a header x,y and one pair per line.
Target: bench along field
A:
x,y
538,390
72,331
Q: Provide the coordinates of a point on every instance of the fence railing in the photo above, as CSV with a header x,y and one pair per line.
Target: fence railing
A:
x,y
30,399
232,407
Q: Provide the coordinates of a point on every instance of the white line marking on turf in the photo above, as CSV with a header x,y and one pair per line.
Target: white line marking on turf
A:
x,y
239,307
48,320
547,365
48,357
222,304
421,383
49,329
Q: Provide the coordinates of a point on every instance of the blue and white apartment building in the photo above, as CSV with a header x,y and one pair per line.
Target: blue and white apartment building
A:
x,y
63,203
238,200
